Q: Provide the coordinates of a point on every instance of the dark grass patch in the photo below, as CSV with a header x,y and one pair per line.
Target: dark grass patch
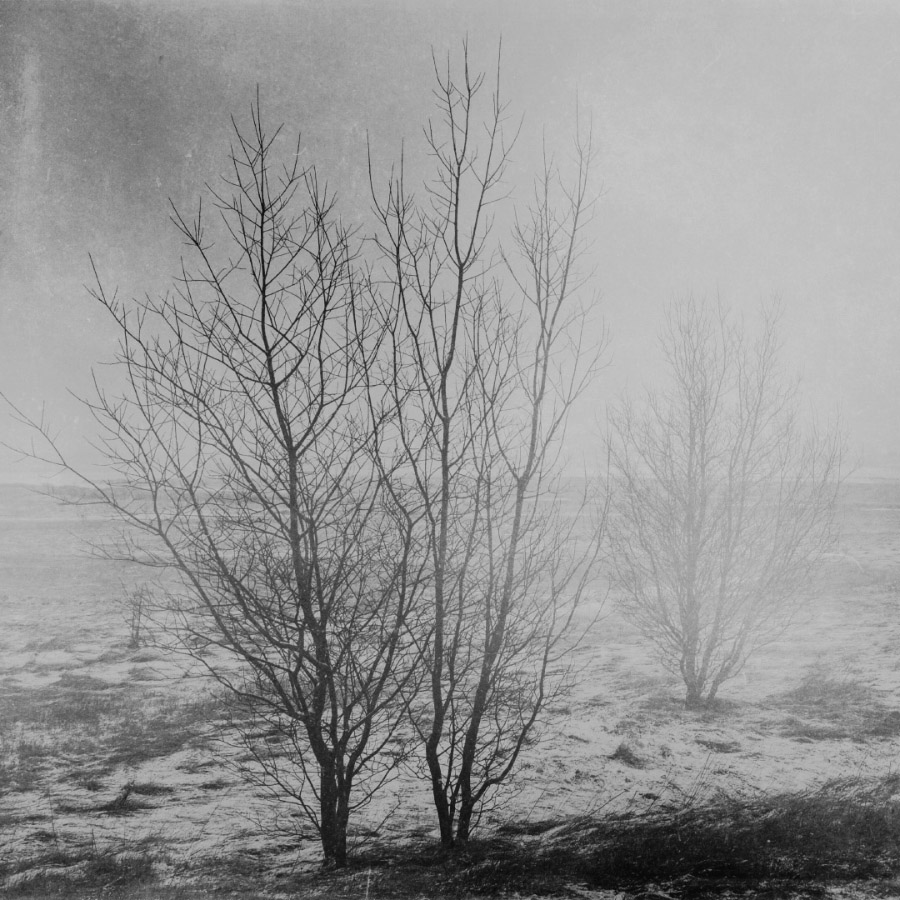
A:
x,y
118,868
823,708
216,784
145,655
151,789
88,782
846,829
145,674
153,890
27,818
195,766
643,682
23,763
82,735
81,700
163,730
663,706
125,802
9,684
54,858
74,700
418,870
806,731
530,827
84,770
624,754
113,655
828,697
63,873
720,746
720,708
44,644
79,682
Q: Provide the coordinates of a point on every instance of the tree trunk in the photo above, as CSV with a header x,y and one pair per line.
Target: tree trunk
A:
x,y
694,698
470,749
334,816
464,825
441,803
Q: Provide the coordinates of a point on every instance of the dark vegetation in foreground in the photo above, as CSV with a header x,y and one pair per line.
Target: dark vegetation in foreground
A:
x,y
785,845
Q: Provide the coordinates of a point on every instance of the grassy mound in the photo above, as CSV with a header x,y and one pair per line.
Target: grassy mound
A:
x,y
790,845
844,831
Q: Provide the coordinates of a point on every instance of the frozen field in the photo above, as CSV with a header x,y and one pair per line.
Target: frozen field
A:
x,y
112,759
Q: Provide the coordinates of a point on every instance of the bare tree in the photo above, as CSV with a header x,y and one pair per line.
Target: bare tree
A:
x,y
244,451
486,360
355,486
721,502
135,604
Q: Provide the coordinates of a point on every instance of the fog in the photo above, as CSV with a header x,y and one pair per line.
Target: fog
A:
x,y
747,151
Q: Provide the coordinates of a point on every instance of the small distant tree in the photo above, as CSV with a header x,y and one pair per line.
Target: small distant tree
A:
x,y
721,501
244,457
489,350
136,606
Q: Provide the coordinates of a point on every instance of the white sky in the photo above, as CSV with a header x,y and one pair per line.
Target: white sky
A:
x,y
748,150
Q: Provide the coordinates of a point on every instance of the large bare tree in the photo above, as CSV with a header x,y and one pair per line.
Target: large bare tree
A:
x,y
244,449
721,501
488,353
356,481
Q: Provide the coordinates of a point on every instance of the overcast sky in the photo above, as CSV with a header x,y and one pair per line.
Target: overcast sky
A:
x,y
747,150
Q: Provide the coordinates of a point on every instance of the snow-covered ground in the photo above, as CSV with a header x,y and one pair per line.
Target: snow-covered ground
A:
x,y
821,703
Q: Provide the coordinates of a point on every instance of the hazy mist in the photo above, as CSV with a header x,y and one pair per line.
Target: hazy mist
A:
x,y
747,151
